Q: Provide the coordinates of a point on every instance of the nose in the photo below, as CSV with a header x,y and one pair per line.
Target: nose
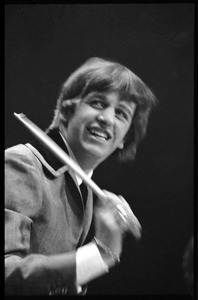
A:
x,y
106,117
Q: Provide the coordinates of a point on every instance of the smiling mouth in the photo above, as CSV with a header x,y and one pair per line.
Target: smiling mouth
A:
x,y
103,135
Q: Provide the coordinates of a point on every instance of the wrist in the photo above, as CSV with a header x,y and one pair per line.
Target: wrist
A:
x,y
107,254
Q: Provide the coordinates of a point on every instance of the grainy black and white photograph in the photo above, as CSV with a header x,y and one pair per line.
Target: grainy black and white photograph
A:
x,y
99,149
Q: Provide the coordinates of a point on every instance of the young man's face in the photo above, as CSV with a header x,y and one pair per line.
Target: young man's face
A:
x,y
99,126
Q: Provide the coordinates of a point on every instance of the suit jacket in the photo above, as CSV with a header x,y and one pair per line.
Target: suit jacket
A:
x,y
45,221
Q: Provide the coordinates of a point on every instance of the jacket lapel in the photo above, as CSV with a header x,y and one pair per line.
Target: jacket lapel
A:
x,y
72,190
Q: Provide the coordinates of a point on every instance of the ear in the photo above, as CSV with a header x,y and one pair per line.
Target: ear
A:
x,y
66,110
68,107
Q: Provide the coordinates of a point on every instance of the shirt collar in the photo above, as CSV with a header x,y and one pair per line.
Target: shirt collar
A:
x,y
71,154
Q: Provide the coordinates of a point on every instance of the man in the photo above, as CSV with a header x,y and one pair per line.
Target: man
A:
x,y
102,111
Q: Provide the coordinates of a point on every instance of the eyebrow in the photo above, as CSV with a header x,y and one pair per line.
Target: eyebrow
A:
x,y
99,95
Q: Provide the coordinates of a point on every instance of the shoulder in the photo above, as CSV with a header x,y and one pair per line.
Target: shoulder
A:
x,y
19,152
19,149
21,159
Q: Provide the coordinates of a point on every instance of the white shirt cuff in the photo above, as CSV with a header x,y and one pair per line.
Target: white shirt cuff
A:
x,y
89,264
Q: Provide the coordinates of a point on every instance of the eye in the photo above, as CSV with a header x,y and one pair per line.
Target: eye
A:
x,y
97,103
121,114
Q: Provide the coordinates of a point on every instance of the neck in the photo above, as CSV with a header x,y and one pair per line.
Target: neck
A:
x,y
86,162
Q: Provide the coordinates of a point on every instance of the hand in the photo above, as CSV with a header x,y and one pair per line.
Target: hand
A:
x,y
108,230
112,219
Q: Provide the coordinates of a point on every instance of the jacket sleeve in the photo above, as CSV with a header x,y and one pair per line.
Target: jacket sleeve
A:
x,y
29,273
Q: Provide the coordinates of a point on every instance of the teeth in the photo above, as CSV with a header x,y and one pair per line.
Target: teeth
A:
x,y
99,133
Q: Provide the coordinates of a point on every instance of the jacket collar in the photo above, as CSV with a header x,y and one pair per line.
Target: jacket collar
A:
x,y
47,158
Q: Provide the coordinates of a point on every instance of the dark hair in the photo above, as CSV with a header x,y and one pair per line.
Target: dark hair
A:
x,y
98,74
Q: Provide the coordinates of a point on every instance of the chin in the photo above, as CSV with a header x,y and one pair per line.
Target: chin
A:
x,y
98,153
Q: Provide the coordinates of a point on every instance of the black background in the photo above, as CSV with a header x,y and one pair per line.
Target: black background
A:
x,y
44,44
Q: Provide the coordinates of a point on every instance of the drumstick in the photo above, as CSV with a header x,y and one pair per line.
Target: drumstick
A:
x,y
66,159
